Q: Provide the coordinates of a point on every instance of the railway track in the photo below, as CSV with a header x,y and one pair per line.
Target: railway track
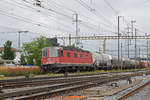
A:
x,y
43,82
131,93
59,87
37,82
50,91
14,83
57,77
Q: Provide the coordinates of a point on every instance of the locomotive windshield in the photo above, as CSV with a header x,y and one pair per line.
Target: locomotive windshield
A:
x,y
45,53
53,52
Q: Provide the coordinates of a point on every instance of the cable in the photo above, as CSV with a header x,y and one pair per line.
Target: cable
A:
x,y
84,23
87,25
25,19
94,12
115,11
49,9
85,5
58,5
79,14
35,10
101,16
50,15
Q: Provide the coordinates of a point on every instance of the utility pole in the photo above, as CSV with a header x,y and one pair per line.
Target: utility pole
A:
x,y
135,44
19,39
147,48
104,46
132,22
63,41
119,38
147,52
19,32
121,49
128,31
139,52
76,21
69,39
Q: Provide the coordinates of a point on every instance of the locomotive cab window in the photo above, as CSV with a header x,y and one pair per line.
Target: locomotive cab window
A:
x,y
54,52
75,55
68,54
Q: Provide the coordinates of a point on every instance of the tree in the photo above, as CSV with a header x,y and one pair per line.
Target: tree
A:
x,y
8,53
32,50
22,60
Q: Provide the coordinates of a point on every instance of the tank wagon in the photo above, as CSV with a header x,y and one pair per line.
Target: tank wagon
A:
x,y
60,58
101,61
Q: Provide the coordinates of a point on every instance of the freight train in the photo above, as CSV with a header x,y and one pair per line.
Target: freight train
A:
x,y
60,58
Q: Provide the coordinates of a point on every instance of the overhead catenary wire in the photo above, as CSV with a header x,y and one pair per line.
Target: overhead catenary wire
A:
x,y
37,11
93,12
75,11
51,10
34,9
81,15
28,2
27,20
101,16
116,12
113,9
42,14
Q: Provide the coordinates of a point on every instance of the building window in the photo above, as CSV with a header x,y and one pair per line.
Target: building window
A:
x,y
75,55
68,54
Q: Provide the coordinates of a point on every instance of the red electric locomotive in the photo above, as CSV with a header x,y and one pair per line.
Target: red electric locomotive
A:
x,y
58,58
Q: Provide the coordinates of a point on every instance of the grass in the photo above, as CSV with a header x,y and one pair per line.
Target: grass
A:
x,y
104,71
54,74
97,71
6,72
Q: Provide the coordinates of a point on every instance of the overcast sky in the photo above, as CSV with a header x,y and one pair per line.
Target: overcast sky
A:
x,y
56,18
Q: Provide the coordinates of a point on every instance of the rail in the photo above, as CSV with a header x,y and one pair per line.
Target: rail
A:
x,y
56,89
131,93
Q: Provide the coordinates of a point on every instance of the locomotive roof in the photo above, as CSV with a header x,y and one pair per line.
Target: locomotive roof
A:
x,y
75,49
69,48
